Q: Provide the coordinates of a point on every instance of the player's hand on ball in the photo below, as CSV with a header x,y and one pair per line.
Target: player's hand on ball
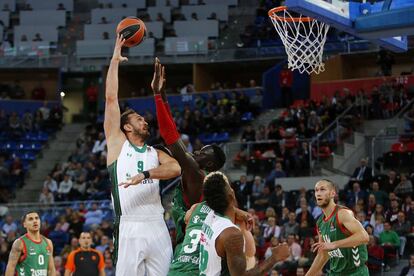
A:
x,y
327,246
280,252
120,41
135,180
158,81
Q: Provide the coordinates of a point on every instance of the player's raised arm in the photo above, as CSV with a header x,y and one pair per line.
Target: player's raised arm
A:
x,y
112,119
168,131
14,257
319,262
51,267
358,235
236,260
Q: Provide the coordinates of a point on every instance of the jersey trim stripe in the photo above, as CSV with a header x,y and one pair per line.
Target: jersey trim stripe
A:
x,y
341,226
330,216
24,256
116,241
115,193
140,150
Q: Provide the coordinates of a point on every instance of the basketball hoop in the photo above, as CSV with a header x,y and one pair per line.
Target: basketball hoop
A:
x,y
303,37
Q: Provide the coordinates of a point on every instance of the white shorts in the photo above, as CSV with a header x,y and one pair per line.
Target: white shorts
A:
x,y
143,247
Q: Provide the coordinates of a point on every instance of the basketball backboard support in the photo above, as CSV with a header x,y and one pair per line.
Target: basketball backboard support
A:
x,y
363,19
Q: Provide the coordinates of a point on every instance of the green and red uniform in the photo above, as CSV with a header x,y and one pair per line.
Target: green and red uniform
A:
x,y
342,261
35,258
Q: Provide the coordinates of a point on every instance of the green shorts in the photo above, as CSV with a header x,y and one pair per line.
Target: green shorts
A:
x,y
362,271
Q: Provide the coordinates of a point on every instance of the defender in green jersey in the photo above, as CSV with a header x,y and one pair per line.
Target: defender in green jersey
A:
x,y
342,239
31,254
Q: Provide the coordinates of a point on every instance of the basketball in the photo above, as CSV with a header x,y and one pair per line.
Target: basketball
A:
x,y
133,30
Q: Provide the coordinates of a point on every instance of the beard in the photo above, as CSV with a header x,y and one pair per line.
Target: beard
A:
x,y
324,203
143,134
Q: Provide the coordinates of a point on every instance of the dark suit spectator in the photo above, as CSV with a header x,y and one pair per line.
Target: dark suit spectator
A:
x,y
405,187
354,195
391,215
409,269
381,197
243,191
262,201
277,199
402,228
362,174
249,134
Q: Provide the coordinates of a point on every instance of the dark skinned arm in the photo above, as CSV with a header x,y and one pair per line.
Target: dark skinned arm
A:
x,y
192,177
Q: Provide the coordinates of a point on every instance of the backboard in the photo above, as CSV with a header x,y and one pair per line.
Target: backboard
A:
x,y
386,23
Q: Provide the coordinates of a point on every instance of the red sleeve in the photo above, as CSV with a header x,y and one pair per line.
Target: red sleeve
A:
x,y
101,264
168,129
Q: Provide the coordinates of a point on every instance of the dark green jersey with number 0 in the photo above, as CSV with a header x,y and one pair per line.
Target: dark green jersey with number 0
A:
x,y
186,255
35,258
342,261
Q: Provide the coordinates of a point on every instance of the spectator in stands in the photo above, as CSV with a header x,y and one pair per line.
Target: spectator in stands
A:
x,y
249,134
291,227
362,174
277,199
93,217
391,182
285,82
304,214
276,173
45,111
23,38
61,7
409,120
261,202
271,229
314,123
15,126
17,91
389,239
405,187
213,16
27,121
37,37
50,184
103,245
375,256
100,144
46,197
409,269
362,218
295,253
354,195
17,172
105,36
60,270
381,197
391,215
109,267
103,20
74,244
257,187
194,16
243,190
9,225
402,228
378,225
65,186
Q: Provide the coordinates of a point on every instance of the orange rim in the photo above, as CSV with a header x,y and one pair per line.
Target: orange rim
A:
x,y
273,14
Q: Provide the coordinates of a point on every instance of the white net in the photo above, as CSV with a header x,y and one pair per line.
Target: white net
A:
x,y
304,39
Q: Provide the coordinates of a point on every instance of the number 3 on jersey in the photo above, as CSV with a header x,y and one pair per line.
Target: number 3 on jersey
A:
x,y
195,240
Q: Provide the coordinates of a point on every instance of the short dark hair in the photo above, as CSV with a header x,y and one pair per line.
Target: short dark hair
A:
x,y
331,183
214,190
124,118
219,158
28,212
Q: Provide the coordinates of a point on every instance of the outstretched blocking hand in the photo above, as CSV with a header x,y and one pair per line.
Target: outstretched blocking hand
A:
x,y
158,81
117,56
280,252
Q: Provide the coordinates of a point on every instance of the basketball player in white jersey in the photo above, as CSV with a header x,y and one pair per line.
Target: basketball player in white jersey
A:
x,y
141,239
222,243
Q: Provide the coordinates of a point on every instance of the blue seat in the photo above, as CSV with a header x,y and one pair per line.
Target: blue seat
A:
x,y
11,146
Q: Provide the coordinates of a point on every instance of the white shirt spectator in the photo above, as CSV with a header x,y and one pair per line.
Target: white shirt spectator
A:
x,y
65,186
94,216
46,197
45,112
99,146
51,184
8,227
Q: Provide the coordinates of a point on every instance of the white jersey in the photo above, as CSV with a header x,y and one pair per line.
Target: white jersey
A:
x,y
211,264
142,200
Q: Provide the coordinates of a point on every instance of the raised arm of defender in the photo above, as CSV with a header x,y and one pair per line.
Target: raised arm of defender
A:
x,y
114,136
192,175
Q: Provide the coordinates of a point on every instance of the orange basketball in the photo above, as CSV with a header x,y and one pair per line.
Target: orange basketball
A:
x,y
133,30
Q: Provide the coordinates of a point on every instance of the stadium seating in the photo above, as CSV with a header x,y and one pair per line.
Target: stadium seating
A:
x,y
112,16
209,28
50,4
138,4
165,11
43,17
204,11
185,45
47,32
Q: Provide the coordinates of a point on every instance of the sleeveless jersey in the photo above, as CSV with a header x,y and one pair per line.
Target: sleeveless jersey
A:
x,y
186,255
35,258
343,261
211,264
138,200
178,210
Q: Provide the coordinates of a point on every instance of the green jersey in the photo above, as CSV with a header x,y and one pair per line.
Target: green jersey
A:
x,y
178,210
186,255
343,261
35,258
